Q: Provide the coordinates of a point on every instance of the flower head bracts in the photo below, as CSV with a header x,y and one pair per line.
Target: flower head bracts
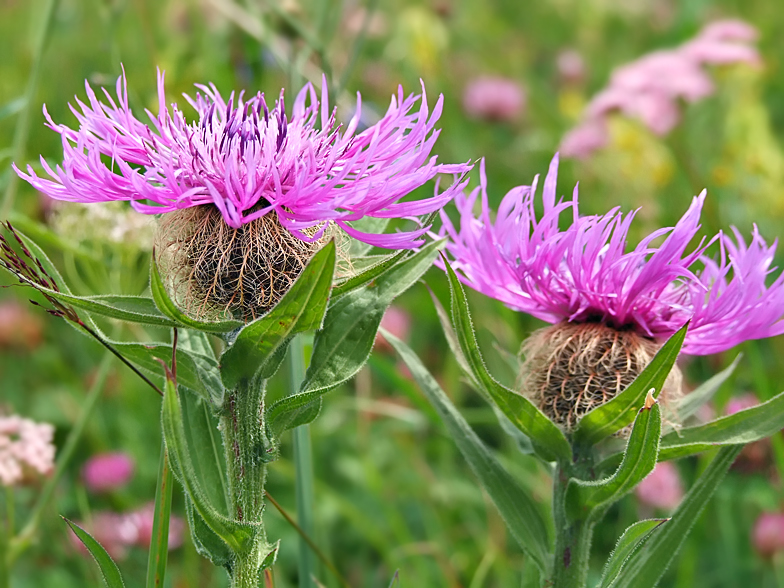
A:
x,y
249,160
585,273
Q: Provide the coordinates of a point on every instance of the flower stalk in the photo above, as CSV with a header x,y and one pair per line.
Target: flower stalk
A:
x,y
242,428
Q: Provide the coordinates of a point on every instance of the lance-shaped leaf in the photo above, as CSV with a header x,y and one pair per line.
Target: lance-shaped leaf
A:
x,y
745,426
519,510
238,536
159,540
135,309
688,405
301,309
590,500
611,417
548,440
369,273
168,308
645,568
343,344
631,540
109,570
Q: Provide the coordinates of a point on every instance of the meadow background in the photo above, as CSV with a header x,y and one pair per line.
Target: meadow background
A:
x,y
392,491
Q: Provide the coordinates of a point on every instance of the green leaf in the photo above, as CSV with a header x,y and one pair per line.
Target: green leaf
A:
x,y
199,350
239,536
301,309
590,500
368,274
159,544
633,538
342,345
691,402
109,570
745,426
167,306
293,411
146,356
645,568
548,440
519,510
611,417
207,543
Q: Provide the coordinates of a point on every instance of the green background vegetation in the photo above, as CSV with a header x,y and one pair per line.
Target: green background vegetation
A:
x,y
392,492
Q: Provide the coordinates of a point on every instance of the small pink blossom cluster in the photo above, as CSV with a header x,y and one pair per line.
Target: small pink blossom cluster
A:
x,y
662,488
650,88
26,448
494,98
117,532
768,533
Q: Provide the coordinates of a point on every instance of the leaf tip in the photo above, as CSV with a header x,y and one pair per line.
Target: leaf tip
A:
x,y
649,399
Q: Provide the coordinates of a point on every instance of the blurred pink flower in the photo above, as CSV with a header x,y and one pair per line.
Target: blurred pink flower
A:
x,y
768,533
571,66
494,98
19,328
143,520
649,89
662,488
398,322
25,448
107,471
116,532
742,402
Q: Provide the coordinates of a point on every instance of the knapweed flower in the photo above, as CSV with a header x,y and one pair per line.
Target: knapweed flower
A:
x,y
494,98
26,449
612,305
650,88
107,471
662,488
249,193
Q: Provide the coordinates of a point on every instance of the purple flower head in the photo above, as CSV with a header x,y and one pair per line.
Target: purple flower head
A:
x,y
588,273
494,98
107,471
649,89
249,160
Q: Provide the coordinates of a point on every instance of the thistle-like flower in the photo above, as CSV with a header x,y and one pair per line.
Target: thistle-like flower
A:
x,y
612,306
249,192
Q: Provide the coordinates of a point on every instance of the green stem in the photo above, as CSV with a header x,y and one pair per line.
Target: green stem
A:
x,y
572,537
303,463
22,130
20,543
5,568
242,427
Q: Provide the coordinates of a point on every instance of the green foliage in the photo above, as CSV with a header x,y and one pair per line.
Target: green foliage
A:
x,y
631,540
519,510
159,544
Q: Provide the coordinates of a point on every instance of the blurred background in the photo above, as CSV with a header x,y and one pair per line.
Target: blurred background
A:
x,y
392,491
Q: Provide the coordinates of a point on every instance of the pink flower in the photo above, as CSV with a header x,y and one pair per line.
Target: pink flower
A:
x,y
587,272
742,402
768,533
19,328
494,98
26,448
143,520
397,321
571,66
662,488
107,471
249,161
116,532
649,88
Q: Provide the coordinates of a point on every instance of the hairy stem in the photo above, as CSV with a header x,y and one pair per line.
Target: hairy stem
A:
x,y
303,462
242,427
572,537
